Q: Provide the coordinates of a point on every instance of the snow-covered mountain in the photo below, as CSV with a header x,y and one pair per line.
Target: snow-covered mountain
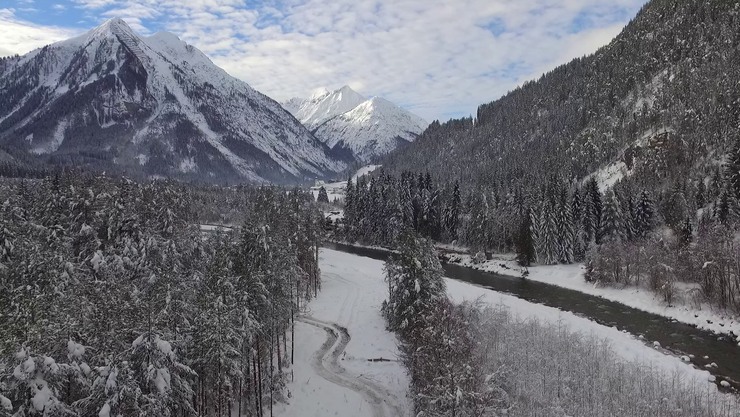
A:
x,y
154,106
347,121
373,128
323,105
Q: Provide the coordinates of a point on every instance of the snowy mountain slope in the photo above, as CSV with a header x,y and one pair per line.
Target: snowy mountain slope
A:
x,y
374,128
323,105
154,106
348,122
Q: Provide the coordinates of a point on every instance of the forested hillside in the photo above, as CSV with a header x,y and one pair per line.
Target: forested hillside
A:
x,y
114,302
662,97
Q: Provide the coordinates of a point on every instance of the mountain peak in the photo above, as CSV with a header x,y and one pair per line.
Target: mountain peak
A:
x,y
319,94
114,25
323,104
380,101
165,36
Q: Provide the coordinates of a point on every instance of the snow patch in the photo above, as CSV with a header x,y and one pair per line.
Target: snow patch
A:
x,y
162,380
105,410
56,141
75,351
188,165
6,403
608,176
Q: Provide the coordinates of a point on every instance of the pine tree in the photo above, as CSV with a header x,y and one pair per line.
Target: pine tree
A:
x,y
644,215
727,207
323,197
525,251
701,194
415,283
687,233
612,224
350,211
630,216
674,207
732,169
548,234
566,233
579,241
592,211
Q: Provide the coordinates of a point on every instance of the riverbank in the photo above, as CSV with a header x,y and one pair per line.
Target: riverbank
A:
x,y
684,310
528,328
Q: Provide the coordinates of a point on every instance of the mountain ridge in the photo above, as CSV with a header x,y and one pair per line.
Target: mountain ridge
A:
x,y
155,105
346,121
661,98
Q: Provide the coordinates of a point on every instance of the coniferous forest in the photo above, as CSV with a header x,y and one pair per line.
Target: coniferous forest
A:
x,y
626,235
116,303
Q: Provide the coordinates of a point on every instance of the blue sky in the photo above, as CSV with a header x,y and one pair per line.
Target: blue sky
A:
x,y
438,58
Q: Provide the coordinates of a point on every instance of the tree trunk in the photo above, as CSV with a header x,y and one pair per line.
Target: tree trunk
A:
x,y
259,372
279,354
256,385
240,397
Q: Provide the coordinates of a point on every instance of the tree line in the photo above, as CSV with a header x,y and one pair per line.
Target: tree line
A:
x,y
625,233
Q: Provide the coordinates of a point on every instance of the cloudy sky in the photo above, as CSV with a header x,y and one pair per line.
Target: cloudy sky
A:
x,y
438,58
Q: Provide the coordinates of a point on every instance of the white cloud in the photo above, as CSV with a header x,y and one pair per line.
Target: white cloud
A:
x,y
59,7
435,57
21,36
6,52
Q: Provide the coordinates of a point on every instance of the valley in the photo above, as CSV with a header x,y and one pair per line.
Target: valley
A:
x,y
523,210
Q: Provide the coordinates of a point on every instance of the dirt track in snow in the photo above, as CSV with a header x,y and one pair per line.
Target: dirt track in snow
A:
x,y
326,364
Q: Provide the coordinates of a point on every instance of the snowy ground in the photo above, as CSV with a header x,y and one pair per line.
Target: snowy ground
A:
x,y
212,228
331,378
626,345
571,277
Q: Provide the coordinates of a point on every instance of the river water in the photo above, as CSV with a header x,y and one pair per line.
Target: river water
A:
x,y
676,338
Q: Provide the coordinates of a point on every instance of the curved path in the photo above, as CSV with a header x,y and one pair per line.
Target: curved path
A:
x,y
334,374
326,364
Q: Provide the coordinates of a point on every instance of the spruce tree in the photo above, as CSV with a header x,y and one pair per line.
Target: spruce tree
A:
x,y
350,211
612,223
323,197
686,235
644,215
701,195
566,232
415,283
732,169
525,251
592,211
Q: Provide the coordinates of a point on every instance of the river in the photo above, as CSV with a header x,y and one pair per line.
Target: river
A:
x,y
676,338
